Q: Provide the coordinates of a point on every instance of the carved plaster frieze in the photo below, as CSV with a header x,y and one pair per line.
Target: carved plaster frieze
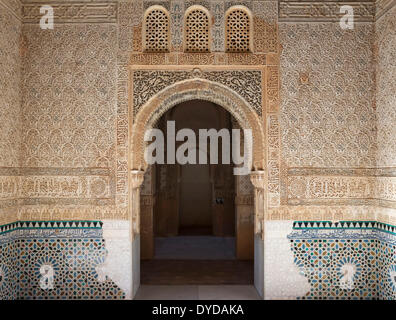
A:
x,y
382,7
149,82
306,11
12,6
73,12
339,212
355,172
212,58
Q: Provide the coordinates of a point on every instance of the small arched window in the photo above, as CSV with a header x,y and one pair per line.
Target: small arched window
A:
x,y
197,30
156,29
238,30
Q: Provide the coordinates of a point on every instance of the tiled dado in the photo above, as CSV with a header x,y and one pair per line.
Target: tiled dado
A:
x,y
74,249
346,259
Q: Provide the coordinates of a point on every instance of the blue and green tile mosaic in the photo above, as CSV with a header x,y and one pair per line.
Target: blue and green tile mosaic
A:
x,y
346,259
73,249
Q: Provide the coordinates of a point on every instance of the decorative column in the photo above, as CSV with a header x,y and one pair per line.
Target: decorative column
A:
x,y
137,177
258,181
245,217
147,201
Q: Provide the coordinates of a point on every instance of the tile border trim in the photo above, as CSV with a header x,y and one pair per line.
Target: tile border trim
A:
x,y
351,225
34,225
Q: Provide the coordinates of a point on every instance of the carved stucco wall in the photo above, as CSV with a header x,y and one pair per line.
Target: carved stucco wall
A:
x,y
10,107
327,117
334,128
74,136
386,84
74,113
72,125
10,88
385,48
69,96
69,101
328,112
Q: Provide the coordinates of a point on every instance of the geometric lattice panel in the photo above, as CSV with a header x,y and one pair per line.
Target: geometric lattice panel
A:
x,y
157,31
238,31
197,31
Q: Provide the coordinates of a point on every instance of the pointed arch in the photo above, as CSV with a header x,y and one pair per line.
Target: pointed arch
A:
x,y
193,89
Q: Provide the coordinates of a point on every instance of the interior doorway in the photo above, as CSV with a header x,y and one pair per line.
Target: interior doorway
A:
x,y
193,231
195,200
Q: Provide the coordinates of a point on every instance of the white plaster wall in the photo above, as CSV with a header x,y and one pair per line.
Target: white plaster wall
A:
x,y
135,265
118,263
276,275
259,264
282,278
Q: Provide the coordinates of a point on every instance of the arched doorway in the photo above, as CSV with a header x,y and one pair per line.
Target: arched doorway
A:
x,y
198,89
191,231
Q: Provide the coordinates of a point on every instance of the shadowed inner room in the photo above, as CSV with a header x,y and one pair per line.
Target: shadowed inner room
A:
x,y
192,231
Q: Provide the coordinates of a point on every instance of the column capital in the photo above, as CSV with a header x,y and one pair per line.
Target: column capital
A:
x,y
258,179
137,177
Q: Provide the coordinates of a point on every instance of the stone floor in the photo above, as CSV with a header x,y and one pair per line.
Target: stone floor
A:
x,y
195,248
196,272
197,292
197,261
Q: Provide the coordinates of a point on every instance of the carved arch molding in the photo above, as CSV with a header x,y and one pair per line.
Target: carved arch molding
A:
x,y
240,90
155,92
